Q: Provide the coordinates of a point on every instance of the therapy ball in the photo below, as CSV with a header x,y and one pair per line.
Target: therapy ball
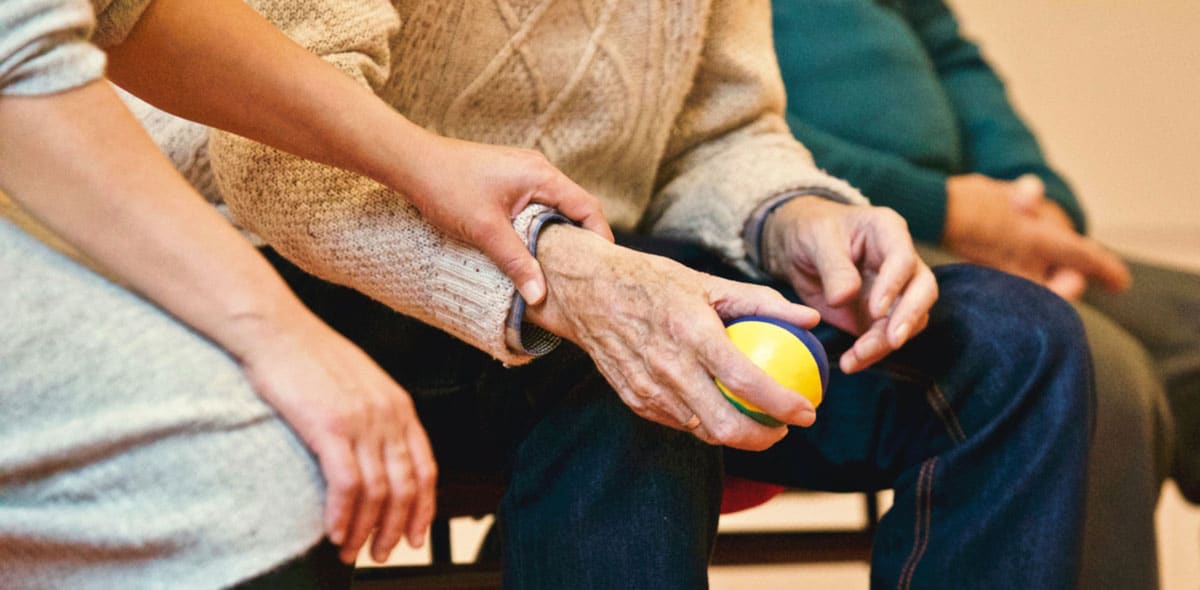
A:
x,y
790,355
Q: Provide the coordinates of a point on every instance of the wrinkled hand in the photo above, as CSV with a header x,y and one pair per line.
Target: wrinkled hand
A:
x,y
371,447
654,329
858,267
1012,226
472,191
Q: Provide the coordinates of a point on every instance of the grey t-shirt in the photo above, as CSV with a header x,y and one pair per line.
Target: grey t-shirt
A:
x,y
49,46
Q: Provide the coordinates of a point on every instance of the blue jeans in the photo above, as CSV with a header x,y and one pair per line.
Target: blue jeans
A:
x,y
980,425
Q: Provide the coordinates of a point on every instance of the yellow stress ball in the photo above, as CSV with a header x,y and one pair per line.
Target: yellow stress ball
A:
x,y
790,355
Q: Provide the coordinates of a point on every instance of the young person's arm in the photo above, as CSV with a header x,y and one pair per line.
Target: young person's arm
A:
x,y
78,162
220,63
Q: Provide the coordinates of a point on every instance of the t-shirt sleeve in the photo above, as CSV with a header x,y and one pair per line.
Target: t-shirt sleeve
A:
x,y
45,46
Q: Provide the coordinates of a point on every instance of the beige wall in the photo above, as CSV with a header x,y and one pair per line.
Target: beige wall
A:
x,y
1113,88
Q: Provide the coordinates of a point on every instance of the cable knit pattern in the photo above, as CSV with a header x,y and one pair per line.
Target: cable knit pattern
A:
x,y
668,110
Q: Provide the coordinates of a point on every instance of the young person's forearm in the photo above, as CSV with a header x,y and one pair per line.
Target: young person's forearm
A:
x,y
220,63
127,210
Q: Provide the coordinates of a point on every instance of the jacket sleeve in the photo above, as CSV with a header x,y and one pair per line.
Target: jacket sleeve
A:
x,y
730,149
350,230
997,142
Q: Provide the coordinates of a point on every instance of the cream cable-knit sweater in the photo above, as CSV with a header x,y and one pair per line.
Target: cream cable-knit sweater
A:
x,y
669,111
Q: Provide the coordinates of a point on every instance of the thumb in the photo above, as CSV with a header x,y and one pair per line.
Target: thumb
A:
x,y
1068,283
504,248
1027,191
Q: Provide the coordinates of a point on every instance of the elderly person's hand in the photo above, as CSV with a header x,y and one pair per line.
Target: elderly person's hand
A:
x,y
1012,226
654,329
857,266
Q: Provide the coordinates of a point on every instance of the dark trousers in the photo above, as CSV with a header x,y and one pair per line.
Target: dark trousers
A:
x,y
980,425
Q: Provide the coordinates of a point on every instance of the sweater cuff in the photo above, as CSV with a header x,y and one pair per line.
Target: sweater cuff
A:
x,y
752,232
521,337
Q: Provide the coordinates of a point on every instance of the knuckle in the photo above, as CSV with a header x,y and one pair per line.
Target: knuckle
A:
x,y
683,328
642,385
725,433
342,422
427,478
348,483
890,216
376,489
405,494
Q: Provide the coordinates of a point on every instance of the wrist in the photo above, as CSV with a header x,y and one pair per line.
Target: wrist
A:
x,y
554,246
400,154
248,331
964,201
571,258
778,230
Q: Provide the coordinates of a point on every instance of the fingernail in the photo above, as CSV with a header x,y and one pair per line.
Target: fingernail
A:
x,y
808,417
900,333
532,292
847,363
336,537
885,303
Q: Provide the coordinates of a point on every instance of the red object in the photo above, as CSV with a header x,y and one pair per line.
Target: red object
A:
x,y
741,494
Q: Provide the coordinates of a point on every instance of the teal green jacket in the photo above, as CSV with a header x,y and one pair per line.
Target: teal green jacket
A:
x,y
888,95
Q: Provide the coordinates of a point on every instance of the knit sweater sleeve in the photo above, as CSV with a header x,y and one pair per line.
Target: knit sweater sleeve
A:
x,y
348,229
731,150
996,141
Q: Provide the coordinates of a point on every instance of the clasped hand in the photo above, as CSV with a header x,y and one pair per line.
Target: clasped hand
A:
x,y
1012,226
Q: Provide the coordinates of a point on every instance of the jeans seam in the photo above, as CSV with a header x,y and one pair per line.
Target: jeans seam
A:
x,y
941,407
922,523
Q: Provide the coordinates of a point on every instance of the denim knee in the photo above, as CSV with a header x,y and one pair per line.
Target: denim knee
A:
x,y
1023,332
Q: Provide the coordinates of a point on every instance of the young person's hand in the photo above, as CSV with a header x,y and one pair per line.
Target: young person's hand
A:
x,y
129,211
472,191
263,86
858,267
361,425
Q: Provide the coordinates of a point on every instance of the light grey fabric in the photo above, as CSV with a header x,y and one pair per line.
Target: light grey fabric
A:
x,y
45,47
133,454
1130,454
49,46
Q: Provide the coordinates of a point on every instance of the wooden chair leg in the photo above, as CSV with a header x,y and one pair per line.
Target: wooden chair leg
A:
x,y
439,542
